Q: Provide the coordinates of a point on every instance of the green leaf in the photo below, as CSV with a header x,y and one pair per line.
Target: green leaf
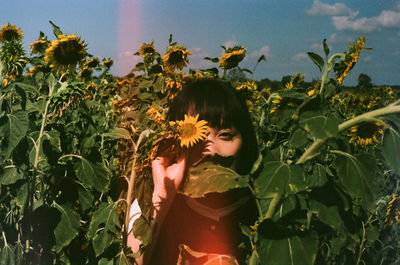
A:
x,y
16,129
279,245
92,175
142,230
299,139
104,261
68,227
101,241
214,60
277,177
326,48
105,216
262,58
56,30
357,174
208,176
122,259
11,175
318,125
390,149
118,133
318,177
85,198
317,60
7,256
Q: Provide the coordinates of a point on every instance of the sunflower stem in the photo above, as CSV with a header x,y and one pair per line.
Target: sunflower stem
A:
x,y
328,68
312,151
272,206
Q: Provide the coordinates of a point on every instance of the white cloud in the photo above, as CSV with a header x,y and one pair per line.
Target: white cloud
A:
x,y
265,50
386,19
199,52
125,54
230,43
299,57
338,9
368,58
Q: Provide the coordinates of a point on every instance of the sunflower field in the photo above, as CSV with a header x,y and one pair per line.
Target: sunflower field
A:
x,y
76,145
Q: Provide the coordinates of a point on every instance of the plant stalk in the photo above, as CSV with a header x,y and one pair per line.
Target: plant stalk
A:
x,y
313,149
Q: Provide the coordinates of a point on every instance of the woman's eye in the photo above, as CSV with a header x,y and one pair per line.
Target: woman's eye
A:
x,y
226,136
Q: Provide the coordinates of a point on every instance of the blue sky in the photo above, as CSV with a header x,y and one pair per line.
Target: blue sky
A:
x,y
283,30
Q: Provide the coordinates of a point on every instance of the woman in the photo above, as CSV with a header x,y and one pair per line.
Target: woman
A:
x,y
209,224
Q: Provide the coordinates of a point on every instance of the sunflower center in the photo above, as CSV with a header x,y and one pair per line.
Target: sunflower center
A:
x,y
68,53
175,57
10,35
367,130
148,50
188,130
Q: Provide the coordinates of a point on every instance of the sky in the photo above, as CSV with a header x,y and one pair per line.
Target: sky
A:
x,y
283,30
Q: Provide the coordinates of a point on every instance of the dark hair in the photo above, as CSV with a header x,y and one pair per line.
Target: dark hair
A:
x,y
220,104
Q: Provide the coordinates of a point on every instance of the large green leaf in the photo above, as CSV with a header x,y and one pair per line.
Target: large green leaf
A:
x,y
142,230
320,126
318,177
11,175
92,175
15,129
317,60
68,227
390,148
278,177
357,174
279,245
105,216
209,176
117,133
7,256
101,241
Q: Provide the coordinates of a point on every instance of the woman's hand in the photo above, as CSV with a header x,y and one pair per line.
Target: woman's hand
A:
x,y
168,172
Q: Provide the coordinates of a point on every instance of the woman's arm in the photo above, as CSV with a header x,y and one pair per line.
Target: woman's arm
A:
x,y
167,177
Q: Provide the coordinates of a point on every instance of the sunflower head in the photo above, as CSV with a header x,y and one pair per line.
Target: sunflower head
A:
x,y
232,57
94,62
39,46
107,63
366,133
343,67
176,58
191,131
393,210
65,53
13,59
155,115
86,72
146,48
10,33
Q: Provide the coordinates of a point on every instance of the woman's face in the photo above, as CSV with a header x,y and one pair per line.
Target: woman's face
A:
x,y
227,142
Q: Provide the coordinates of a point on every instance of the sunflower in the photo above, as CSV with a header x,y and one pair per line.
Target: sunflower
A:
x,y
146,48
366,133
65,53
107,63
13,59
280,103
295,81
393,210
191,131
155,115
94,62
248,86
39,46
86,72
176,58
10,33
344,67
232,57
